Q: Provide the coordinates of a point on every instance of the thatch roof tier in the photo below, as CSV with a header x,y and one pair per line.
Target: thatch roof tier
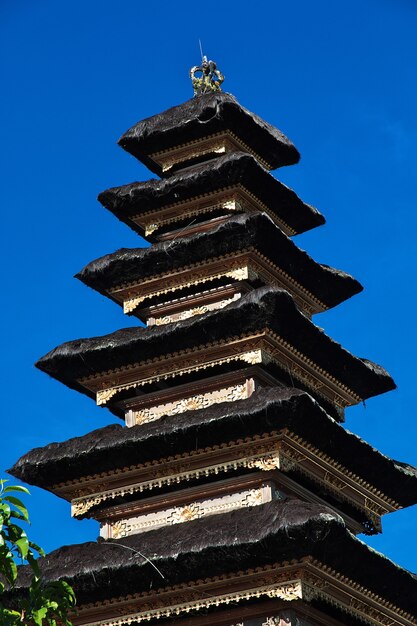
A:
x,y
277,532
202,118
265,312
266,411
239,233
231,171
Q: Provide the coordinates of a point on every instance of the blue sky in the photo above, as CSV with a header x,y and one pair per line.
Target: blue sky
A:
x,y
339,78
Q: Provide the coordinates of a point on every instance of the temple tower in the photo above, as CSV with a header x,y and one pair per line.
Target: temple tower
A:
x,y
231,494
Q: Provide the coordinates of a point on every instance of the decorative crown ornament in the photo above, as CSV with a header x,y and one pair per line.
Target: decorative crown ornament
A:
x,y
210,79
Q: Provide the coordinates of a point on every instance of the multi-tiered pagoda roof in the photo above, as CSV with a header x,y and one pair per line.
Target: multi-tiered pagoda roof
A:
x,y
232,495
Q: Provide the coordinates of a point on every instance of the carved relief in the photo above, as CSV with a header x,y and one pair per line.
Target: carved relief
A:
x,y
228,199
84,505
216,147
105,395
266,463
292,452
256,349
163,369
150,610
306,580
186,513
131,304
120,529
287,617
200,401
174,282
217,143
291,591
199,310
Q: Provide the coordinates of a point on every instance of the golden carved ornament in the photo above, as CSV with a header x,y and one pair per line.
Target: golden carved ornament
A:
x,y
200,401
288,591
119,529
199,310
267,463
188,364
173,283
226,141
185,513
132,303
105,395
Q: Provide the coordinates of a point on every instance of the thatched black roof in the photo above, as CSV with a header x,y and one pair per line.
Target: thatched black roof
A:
x,y
220,544
266,411
229,170
199,117
267,307
238,233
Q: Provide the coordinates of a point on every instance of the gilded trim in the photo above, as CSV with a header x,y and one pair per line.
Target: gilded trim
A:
x,y
260,348
239,266
306,581
220,142
284,451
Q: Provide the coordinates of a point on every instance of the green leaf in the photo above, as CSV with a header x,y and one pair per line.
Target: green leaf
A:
x,y
18,515
10,570
5,509
23,546
15,488
18,504
44,604
39,615
34,564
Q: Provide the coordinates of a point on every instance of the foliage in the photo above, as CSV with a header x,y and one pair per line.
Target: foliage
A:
x,y
44,604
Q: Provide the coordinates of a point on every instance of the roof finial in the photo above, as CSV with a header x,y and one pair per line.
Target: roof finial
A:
x,y
211,78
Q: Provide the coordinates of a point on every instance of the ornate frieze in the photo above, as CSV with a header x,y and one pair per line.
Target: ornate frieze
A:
x,y
234,198
237,273
285,618
241,266
288,591
188,512
228,199
166,368
284,452
217,143
190,403
302,582
187,313
263,347
167,216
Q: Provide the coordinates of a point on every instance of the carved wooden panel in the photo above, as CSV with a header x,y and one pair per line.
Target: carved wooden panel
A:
x,y
191,403
191,511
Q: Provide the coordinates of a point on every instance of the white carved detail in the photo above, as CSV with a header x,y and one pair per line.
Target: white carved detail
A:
x,y
199,310
186,513
199,401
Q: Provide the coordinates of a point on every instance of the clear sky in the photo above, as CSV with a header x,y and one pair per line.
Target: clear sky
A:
x,y
339,78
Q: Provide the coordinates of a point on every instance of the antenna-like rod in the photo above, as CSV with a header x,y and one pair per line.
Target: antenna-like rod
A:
x,y
201,50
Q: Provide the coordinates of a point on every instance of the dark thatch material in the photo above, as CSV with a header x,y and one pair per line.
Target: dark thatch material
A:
x,y
221,544
199,117
225,171
267,307
240,232
267,410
